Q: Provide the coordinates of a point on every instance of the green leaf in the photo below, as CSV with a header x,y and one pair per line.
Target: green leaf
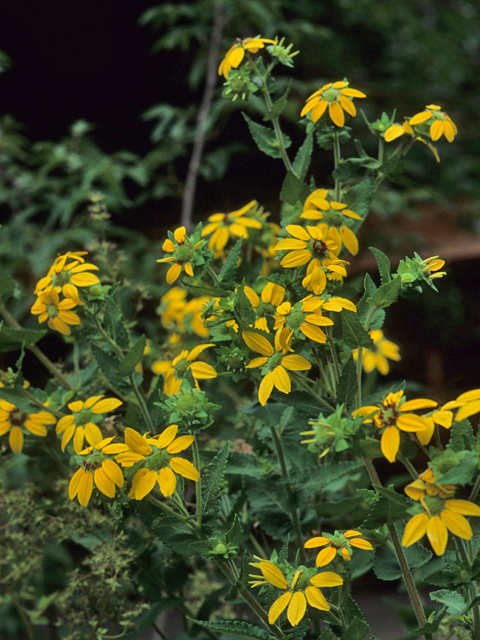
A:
x,y
354,334
390,508
7,286
461,436
133,357
115,325
11,339
265,138
109,365
383,265
357,630
348,168
347,385
235,628
228,270
238,463
294,190
303,157
16,397
270,506
214,292
327,635
279,105
386,565
144,622
243,309
212,479
270,414
433,622
359,198
328,473
453,600
461,474
386,294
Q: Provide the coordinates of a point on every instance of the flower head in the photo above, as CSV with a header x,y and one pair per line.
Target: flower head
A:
x,y
159,461
66,274
467,403
99,469
304,316
226,225
236,53
392,416
174,370
13,421
441,417
376,356
58,313
438,121
79,425
300,589
337,544
274,363
183,249
440,514
337,97
310,245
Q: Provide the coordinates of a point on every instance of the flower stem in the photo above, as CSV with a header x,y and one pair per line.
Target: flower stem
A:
x,y
198,485
303,384
337,159
406,573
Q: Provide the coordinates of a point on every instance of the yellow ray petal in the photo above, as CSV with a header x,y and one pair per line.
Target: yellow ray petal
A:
x,y
415,529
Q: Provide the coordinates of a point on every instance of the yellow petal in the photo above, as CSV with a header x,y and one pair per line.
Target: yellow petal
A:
x,y
360,543
325,556
281,380
418,403
257,343
167,482
138,444
437,534
103,483
85,488
296,363
467,410
113,471
326,579
74,484
184,468
15,439
318,110
313,333
410,422
202,370
315,598
273,575
295,259
318,541
180,444
256,362
266,388
390,443
278,607
349,240
143,482
92,433
336,114
463,507
167,436
415,529
173,272
457,524
296,608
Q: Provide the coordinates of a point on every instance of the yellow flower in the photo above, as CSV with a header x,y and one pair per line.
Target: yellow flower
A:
x,y
440,123
183,254
396,130
58,312
441,417
431,267
376,357
98,469
67,276
79,426
440,516
236,53
274,361
306,316
160,467
337,97
339,543
174,370
316,207
391,416
227,225
177,314
307,245
302,589
13,421
467,403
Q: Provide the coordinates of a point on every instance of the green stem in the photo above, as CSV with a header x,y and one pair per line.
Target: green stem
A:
x,y
277,441
406,573
409,466
142,404
360,359
472,587
198,485
334,353
381,150
211,272
36,351
326,382
76,361
475,490
303,384
337,159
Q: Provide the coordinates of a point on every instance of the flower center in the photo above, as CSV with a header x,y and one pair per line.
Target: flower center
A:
x,y
158,460
330,95
388,415
83,417
295,319
184,253
435,505
320,247
60,278
52,311
275,360
17,417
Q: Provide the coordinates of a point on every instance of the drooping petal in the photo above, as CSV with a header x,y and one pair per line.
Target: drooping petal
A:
x,y
258,343
325,556
415,529
336,114
437,534
467,410
457,524
273,574
313,333
202,370
113,471
295,362
390,443
106,405
278,607
418,403
295,259
103,483
281,380
74,484
361,543
266,388
296,608
135,441
167,481
349,239
92,433
410,422
143,482
85,488
15,440
326,579
173,272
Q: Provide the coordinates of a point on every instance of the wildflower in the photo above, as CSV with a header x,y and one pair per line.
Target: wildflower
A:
x,y
58,312
337,97
467,403
440,515
274,362
99,470
316,207
438,121
441,417
80,426
414,271
392,417
305,316
396,130
226,225
338,544
174,370
318,273
303,588
13,420
156,454
376,357
178,314
306,245
183,254
66,276
236,53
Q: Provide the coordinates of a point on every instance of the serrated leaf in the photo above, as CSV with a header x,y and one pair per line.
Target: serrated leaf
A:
x,y
170,530
133,357
386,294
212,478
359,198
387,567
357,630
115,325
109,365
270,505
383,265
243,309
11,339
453,600
294,190
327,473
265,138
354,334
433,622
303,157
347,385
228,270
349,168
234,628
390,508
463,473
461,436
279,105
7,285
